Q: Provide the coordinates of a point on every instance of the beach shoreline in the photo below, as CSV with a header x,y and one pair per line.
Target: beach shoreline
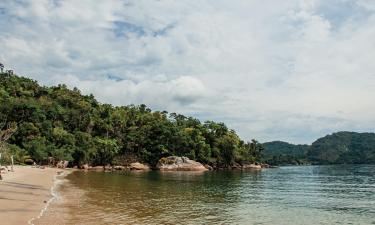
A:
x,y
26,193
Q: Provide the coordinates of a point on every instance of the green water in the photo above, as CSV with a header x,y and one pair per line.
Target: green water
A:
x,y
286,195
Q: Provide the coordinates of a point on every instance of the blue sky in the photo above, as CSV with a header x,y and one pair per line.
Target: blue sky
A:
x,y
291,70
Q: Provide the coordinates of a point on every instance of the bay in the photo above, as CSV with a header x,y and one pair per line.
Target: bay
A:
x,y
335,194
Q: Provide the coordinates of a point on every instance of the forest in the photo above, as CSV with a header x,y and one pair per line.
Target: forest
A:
x,y
39,123
338,148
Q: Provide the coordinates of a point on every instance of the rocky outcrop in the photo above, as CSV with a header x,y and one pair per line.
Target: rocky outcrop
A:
x,y
208,167
236,166
138,166
174,163
97,168
29,161
62,164
85,166
119,167
251,167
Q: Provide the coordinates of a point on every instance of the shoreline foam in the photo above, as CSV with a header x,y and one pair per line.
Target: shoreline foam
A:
x,y
54,193
26,194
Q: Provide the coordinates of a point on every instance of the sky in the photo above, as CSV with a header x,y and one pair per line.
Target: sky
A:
x,y
291,70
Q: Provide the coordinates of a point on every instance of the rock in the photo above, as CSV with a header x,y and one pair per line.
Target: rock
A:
x,y
108,168
62,164
174,163
251,166
138,166
85,166
97,168
208,167
119,168
29,161
236,166
265,165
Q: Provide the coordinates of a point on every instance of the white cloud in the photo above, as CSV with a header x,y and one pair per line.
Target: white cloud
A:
x,y
155,92
291,71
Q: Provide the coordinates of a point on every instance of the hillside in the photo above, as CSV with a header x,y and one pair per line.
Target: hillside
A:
x,y
283,153
66,125
336,148
343,147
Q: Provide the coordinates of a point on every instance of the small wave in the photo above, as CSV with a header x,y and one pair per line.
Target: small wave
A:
x,y
54,194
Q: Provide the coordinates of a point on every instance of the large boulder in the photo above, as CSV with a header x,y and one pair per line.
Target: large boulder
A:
x,y
29,161
138,166
174,163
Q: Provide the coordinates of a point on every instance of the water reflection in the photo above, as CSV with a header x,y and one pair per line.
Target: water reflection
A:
x,y
288,195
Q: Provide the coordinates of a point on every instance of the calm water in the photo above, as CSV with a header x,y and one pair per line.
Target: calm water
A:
x,y
286,195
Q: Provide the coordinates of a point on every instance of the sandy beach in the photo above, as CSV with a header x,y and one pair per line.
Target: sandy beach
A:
x,y
25,193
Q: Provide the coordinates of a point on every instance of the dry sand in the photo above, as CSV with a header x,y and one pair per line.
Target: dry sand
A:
x,y
25,194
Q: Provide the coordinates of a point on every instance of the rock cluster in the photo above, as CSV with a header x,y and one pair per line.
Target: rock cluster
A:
x,y
138,166
175,163
251,167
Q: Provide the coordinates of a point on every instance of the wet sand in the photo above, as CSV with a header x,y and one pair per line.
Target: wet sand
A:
x,y
25,194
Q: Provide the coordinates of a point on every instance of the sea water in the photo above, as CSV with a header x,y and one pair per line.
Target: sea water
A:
x,y
336,194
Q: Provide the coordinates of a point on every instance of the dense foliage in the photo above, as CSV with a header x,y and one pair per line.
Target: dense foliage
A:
x,y
337,148
66,125
343,147
283,153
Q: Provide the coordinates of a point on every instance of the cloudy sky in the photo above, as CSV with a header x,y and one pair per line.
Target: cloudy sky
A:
x,y
290,70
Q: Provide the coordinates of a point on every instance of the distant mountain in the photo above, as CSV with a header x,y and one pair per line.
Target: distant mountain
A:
x,y
343,147
283,153
337,148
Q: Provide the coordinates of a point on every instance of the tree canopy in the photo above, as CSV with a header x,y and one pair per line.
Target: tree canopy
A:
x,y
337,148
62,123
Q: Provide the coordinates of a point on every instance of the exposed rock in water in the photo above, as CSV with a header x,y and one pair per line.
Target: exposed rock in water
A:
x,y
108,168
62,164
119,168
174,163
208,167
97,168
251,166
138,166
85,166
236,166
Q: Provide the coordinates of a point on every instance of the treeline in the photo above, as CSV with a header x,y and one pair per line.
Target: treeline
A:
x,y
66,125
336,148
283,153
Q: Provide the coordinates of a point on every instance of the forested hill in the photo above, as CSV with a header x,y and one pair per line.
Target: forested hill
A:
x,y
64,124
279,153
336,148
